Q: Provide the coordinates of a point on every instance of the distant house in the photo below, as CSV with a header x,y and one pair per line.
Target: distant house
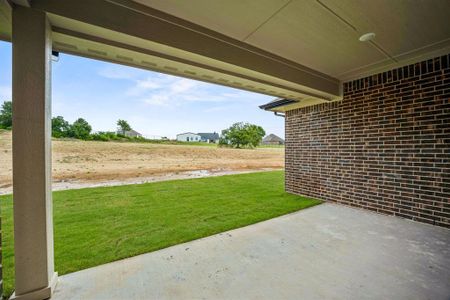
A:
x,y
208,137
188,137
272,139
132,133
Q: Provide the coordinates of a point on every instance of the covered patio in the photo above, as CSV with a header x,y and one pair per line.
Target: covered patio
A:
x,y
367,123
324,252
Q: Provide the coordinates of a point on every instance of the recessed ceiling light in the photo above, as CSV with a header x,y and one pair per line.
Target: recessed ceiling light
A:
x,y
367,37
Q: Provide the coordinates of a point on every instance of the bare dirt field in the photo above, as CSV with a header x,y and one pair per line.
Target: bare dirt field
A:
x,y
83,164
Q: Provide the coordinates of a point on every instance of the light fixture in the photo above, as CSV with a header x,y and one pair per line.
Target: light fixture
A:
x,y
55,56
367,37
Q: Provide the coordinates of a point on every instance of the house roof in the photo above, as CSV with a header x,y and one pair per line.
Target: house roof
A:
x,y
187,133
283,104
278,102
132,131
209,135
273,138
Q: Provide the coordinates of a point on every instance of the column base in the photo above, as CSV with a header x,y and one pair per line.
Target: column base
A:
x,y
41,294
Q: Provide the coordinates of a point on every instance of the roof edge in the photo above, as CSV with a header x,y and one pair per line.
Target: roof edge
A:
x,y
277,103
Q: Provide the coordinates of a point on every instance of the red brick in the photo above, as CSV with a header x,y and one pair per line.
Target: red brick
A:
x,y
385,147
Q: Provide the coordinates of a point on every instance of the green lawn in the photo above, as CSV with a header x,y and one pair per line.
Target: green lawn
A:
x,y
99,225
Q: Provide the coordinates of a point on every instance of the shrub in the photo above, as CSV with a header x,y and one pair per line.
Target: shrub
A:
x,y
80,129
104,136
99,137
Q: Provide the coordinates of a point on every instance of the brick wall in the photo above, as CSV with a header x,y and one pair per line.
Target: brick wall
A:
x,y
384,147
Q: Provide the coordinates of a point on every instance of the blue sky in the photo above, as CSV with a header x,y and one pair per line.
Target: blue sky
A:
x,y
154,104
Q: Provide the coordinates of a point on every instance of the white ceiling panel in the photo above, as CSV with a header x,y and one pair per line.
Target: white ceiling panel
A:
x,y
5,20
323,34
306,32
401,26
234,18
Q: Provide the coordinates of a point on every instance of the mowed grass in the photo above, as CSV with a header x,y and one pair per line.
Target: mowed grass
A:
x,y
99,225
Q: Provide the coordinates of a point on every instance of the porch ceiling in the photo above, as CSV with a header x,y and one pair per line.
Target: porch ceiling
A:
x,y
300,50
324,34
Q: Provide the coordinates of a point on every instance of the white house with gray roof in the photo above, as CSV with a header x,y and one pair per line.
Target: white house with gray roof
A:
x,y
206,137
188,137
209,137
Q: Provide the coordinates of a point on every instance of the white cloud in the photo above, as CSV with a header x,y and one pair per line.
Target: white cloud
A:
x,y
166,90
175,91
157,99
141,86
147,84
182,85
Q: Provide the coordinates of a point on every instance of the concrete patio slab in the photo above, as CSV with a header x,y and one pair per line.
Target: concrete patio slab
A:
x,y
325,252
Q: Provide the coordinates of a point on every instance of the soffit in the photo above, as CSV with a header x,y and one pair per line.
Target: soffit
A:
x,y
323,34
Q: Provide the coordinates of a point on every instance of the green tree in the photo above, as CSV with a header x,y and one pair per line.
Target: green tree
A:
x,y
123,126
242,135
6,115
255,134
80,129
60,127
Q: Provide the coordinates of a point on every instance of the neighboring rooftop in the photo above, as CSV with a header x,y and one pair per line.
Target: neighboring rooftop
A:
x,y
132,133
209,136
273,139
187,133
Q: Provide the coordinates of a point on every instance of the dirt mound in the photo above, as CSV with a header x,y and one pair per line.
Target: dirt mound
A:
x,y
94,162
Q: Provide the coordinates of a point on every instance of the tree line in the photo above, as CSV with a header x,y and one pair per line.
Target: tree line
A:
x,y
80,129
238,135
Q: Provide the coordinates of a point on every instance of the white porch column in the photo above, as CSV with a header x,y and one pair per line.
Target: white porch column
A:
x,y
32,195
